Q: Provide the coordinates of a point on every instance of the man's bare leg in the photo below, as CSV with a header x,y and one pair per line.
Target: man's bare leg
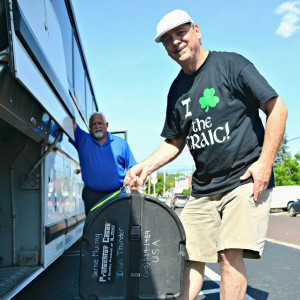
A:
x,y
193,279
233,275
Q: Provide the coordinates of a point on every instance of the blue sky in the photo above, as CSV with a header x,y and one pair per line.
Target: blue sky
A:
x,y
131,74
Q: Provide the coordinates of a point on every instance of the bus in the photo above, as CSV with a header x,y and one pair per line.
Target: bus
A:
x,y
44,83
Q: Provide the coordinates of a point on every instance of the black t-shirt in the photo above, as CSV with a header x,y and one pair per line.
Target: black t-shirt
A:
x,y
216,108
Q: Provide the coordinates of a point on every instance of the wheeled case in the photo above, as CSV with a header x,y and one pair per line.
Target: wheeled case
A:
x,y
133,247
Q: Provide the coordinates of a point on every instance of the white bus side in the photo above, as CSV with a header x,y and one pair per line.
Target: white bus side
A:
x,y
44,83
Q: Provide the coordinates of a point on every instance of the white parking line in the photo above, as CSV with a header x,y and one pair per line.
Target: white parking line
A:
x,y
283,243
212,291
212,275
216,278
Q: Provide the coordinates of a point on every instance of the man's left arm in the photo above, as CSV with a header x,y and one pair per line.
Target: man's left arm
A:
x,y
261,170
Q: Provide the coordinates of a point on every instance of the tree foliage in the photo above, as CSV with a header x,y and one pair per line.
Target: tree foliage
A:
x,y
288,172
159,187
187,192
282,153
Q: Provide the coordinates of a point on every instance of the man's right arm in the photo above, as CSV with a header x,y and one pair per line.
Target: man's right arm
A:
x,y
75,142
164,154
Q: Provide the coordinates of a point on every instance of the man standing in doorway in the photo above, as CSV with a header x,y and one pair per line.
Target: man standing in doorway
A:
x,y
213,107
104,160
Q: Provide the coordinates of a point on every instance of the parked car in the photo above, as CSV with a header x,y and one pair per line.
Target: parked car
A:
x,y
170,202
180,200
167,200
294,208
162,199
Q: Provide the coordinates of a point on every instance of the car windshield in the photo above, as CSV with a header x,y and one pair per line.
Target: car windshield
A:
x,y
182,197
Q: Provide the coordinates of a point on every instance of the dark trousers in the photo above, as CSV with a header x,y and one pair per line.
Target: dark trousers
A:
x,y
90,198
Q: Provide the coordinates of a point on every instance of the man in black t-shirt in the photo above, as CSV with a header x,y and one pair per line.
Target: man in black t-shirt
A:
x,y
213,108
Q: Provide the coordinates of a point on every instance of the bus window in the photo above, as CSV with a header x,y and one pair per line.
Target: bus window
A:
x,y
79,79
67,34
122,134
94,106
89,99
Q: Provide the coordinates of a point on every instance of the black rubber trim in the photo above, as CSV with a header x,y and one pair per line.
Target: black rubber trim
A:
x,y
32,46
80,218
71,223
58,229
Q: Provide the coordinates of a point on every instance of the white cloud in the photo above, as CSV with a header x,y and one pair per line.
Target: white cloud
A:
x,y
289,7
291,15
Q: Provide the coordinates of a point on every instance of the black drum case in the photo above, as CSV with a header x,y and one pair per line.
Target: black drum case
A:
x,y
133,247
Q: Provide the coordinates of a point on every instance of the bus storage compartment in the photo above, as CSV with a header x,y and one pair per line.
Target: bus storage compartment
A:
x,y
20,228
133,247
19,109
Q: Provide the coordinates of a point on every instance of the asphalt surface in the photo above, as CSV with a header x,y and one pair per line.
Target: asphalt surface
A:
x,y
284,229
274,277
59,281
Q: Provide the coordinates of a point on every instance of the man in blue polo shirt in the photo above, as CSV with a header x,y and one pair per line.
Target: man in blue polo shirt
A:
x,y
104,159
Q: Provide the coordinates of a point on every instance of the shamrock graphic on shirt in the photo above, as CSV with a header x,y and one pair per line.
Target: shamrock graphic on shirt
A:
x,y
208,100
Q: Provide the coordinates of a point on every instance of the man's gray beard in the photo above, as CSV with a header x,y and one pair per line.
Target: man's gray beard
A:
x,y
98,134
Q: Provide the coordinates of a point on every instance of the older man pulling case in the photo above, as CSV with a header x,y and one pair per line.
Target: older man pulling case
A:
x,y
213,107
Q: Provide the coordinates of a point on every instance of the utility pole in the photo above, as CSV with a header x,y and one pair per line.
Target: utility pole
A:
x,y
154,182
149,184
164,194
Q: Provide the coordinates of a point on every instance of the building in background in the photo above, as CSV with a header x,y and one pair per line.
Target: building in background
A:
x,y
182,182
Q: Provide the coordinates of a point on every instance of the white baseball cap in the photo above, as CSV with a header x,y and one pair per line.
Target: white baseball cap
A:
x,y
171,20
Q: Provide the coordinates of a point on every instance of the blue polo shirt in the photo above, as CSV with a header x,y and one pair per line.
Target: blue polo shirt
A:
x,y
103,167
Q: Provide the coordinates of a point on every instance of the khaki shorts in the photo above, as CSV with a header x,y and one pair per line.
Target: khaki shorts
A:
x,y
230,220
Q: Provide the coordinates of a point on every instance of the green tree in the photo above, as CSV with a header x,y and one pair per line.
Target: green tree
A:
x,y
186,191
159,187
288,172
282,153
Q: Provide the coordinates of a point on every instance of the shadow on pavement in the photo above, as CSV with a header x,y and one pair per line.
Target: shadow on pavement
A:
x,y
63,275
210,292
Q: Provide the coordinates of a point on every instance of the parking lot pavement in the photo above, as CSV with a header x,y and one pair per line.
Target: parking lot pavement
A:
x,y
279,212
284,229
266,279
